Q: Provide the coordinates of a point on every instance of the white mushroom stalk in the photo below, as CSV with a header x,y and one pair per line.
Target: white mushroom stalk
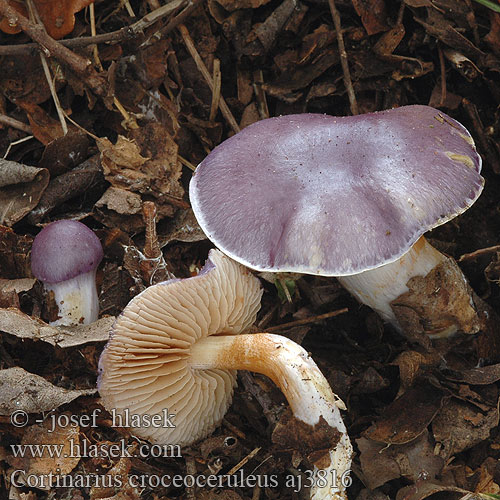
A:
x,y
76,299
307,391
176,347
378,287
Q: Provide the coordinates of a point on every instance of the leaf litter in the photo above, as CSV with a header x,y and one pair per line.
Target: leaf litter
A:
x,y
146,90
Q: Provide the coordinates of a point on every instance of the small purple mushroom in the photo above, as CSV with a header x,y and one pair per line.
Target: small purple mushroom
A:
x,y
346,197
64,256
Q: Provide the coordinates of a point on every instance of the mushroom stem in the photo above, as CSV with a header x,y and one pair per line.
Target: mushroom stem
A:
x,y
291,368
76,299
396,284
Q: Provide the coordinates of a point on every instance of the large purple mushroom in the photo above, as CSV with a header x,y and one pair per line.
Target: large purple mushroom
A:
x,y
346,197
64,256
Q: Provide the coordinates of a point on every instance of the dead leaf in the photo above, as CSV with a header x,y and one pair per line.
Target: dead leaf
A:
x,y
15,322
78,181
45,128
64,439
425,489
21,188
373,15
21,390
437,302
14,254
9,290
459,426
58,16
477,376
413,461
410,362
408,416
64,153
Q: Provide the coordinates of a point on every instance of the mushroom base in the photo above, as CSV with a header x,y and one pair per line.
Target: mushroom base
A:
x,y
291,368
76,299
422,292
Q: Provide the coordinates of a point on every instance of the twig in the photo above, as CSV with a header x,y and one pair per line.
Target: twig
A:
x,y
443,75
226,112
127,5
217,77
478,253
12,122
343,58
305,321
80,65
93,32
242,462
153,266
186,163
260,94
120,35
35,18
19,141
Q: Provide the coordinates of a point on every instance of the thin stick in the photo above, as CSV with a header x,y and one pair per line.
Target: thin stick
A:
x,y
217,79
242,462
93,31
343,58
226,112
258,81
305,321
443,75
12,122
127,5
120,35
479,253
35,18
19,141
80,65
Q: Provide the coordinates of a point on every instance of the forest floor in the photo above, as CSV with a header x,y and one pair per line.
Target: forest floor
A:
x,y
166,84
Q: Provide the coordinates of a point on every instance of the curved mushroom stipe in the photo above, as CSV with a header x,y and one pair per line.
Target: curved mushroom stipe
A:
x,y
177,346
341,196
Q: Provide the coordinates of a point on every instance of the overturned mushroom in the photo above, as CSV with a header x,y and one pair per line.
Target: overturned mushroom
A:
x,y
349,197
64,256
176,346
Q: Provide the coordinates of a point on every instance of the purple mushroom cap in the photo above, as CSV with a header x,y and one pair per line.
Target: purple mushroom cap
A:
x,y
334,196
64,249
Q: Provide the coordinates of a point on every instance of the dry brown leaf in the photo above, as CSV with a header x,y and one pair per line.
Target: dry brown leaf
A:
x,y
21,390
9,290
459,426
380,463
407,417
64,439
45,128
425,489
373,15
14,254
15,322
21,188
58,16
431,306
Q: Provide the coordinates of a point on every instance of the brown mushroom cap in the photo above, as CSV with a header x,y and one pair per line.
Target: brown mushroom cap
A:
x,y
145,366
334,196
